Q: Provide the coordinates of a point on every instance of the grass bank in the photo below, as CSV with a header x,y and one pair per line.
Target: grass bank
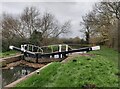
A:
x,y
8,53
82,71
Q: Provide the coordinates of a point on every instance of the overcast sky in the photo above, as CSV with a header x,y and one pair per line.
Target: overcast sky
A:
x,y
63,11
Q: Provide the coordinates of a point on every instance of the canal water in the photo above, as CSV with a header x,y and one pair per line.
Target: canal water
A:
x,y
14,73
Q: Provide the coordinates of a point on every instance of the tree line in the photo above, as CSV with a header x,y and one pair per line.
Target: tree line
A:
x,y
31,27
100,25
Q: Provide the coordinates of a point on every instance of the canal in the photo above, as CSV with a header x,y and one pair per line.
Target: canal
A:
x,y
14,73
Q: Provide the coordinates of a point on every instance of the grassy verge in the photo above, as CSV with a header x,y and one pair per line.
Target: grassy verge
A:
x,y
8,53
88,71
108,53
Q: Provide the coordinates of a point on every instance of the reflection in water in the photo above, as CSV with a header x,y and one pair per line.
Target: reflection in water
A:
x,y
12,74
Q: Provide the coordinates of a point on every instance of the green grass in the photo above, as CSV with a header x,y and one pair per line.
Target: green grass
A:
x,y
98,70
8,53
108,53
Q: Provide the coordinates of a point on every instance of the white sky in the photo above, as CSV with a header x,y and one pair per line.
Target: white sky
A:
x,y
63,11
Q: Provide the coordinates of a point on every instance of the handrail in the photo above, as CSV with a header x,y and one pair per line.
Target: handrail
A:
x,y
28,46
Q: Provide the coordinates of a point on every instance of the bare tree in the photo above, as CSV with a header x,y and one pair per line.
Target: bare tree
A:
x,y
111,11
87,25
64,29
30,20
49,24
10,31
10,27
52,28
32,26
102,22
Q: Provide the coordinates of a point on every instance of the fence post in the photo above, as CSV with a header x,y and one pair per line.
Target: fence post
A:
x,y
66,47
60,49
